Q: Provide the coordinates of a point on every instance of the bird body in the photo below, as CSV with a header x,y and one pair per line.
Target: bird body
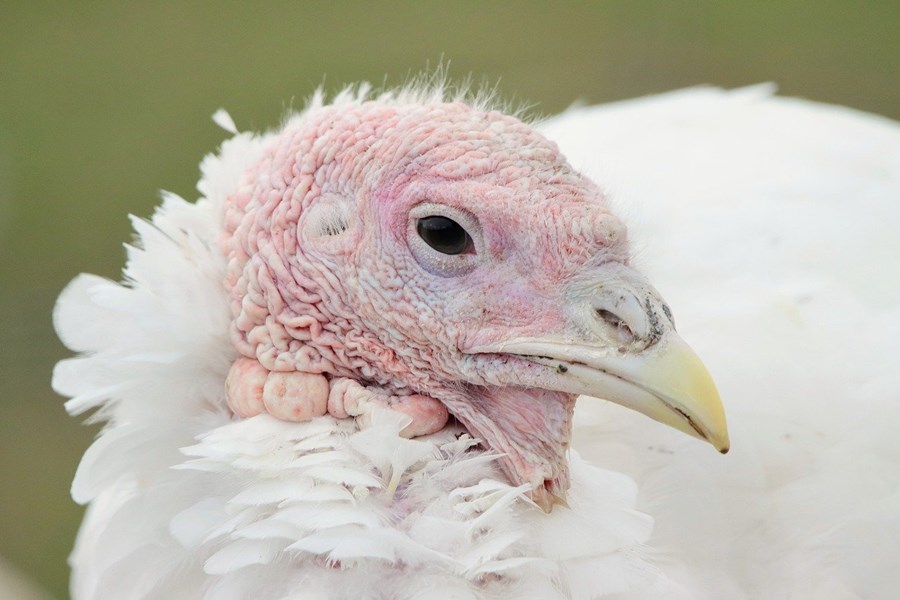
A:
x,y
768,223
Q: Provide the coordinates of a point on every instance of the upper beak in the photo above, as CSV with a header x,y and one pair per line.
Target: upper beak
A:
x,y
667,382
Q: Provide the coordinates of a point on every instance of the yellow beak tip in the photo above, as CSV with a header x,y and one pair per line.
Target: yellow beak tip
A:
x,y
720,443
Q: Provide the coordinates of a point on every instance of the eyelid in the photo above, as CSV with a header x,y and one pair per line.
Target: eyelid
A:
x,y
442,264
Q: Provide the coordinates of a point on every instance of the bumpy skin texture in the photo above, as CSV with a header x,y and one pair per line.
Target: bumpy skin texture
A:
x,y
335,295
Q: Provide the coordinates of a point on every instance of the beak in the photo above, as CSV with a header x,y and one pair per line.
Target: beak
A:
x,y
667,382
612,337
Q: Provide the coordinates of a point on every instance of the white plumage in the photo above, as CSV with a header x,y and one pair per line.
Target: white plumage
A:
x,y
771,224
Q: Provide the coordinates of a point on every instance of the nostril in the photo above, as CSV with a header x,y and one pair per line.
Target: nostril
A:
x,y
622,317
624,333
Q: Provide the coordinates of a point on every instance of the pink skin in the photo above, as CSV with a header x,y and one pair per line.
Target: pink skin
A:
x,y
339,306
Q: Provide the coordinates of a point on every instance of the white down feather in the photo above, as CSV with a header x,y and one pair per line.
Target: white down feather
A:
x,y
769,224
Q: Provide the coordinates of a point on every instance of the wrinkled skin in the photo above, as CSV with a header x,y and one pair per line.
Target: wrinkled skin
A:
x,y
339,305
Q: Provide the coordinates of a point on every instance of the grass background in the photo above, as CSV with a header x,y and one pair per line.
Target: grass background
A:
x,y
103,103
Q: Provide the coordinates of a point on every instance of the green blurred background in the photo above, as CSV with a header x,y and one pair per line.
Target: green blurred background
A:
x,y
102,104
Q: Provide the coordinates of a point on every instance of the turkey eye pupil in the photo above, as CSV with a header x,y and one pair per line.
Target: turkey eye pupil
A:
x,y
444,235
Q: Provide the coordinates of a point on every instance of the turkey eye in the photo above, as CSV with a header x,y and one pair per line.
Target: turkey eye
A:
x,y
444,235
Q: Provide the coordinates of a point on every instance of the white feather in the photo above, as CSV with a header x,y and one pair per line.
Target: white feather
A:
x,y
224,120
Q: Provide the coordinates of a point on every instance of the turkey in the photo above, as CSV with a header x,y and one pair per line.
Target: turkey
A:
x,y
349,370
